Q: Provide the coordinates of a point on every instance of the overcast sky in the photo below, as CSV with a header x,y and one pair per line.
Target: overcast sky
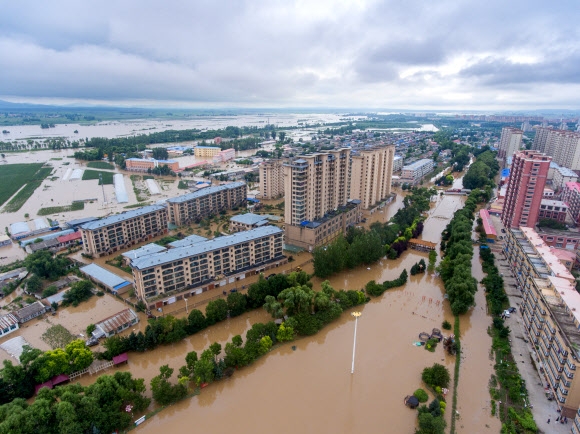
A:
x,y
413,54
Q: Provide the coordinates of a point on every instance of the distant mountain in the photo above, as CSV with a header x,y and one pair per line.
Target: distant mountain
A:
x,y
19,105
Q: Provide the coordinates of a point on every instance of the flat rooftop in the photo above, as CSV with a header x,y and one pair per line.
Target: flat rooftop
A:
x,y
205,192
203,247
546,256
117,218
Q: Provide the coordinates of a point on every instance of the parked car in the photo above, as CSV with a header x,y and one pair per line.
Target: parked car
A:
x,y
506,313
512,309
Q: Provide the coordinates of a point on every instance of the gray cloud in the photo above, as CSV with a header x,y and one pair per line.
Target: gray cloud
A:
x,y
291,53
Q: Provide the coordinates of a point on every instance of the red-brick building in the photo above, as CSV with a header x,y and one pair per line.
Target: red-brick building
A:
x,y
525,189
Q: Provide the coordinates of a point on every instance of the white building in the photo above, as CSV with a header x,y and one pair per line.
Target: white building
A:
x,y
562,175
414,172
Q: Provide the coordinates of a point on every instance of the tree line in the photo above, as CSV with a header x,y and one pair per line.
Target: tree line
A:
x,y
389,239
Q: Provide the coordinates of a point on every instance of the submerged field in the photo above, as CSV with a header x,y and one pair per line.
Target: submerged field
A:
x,y
14,176
94,174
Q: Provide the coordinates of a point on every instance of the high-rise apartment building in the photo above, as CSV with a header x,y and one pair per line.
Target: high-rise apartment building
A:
x,y
510,142
315,185
271,179
205,202
371,174
562,146
525,189
119,231
571,195
317,206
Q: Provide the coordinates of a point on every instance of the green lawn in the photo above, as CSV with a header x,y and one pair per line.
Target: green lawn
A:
x,y
100,165
75,206
14,176
94,174
23,195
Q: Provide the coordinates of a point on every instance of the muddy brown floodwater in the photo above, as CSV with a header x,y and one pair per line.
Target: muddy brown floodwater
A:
x,y
310,388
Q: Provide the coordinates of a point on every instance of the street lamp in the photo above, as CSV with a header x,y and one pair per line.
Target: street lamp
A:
x,y
186,311
356,315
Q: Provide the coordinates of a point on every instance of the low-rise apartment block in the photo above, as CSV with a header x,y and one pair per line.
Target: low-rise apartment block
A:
x,y
193,207
202,264
110,234
563,175
553,210
550,312
415,171
397,163
271,179
246,222
225,155
144,164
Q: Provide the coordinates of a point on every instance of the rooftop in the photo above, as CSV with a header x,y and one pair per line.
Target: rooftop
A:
x,y
543,250
248,219
487,223
147,249
187,241
551,202
115,321
104,276
117,218
573,186
204,192
31,309
564,171
203,247
417,164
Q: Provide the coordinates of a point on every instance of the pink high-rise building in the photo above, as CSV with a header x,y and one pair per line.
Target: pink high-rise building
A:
x,y
525,188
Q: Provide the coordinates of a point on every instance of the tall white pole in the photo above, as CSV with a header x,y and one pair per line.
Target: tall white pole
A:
x,y
356,315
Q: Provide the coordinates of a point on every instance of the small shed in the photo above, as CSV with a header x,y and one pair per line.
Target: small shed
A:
x,y
108,280
411,401
116,323
30,312
8,324
121,358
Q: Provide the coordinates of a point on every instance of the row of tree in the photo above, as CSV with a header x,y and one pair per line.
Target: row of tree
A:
x,y
103,407
482,172
377,289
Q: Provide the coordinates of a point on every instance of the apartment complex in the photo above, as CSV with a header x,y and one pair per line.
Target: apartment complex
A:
x,y
571,195
144,164
246,222
525,188
413,173
271,179
509,142
563,175
315,185
371,174
317,207
550,311
563,146
397,163
200,265
107,235
205,202
206,151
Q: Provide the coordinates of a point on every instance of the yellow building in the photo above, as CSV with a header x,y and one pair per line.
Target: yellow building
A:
x,y
206,151
371,174
271,179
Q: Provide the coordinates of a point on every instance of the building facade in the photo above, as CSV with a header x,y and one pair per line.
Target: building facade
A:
x,y
144,164
107,235
563,146
525,188
205,202
206,151
553,210
371,175
509,142
225,155
550,312
315,185
562,176
413,173
246,222
271,179
571,195
185,268
397,163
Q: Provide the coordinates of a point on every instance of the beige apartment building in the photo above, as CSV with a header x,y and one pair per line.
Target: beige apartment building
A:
x,y
206,151
315,185
563,146
271,179
203,203
317,206
509,142
208,264
110,234
371,175
550,312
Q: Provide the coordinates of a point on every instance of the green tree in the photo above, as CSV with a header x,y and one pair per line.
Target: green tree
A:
x,y
160,153
79,355
51,290
237,303
216,311
436,375
43,264
78,292
163,391
195,322
34,284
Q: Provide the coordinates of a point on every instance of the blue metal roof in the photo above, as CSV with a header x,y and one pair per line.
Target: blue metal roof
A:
x,y
248,219
104,276
147,249
204,247
187,241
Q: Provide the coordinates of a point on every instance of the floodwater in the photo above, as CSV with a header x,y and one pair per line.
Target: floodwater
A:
x,y
310,389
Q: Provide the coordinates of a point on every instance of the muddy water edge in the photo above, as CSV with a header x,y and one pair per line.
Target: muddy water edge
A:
x,y
307,385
